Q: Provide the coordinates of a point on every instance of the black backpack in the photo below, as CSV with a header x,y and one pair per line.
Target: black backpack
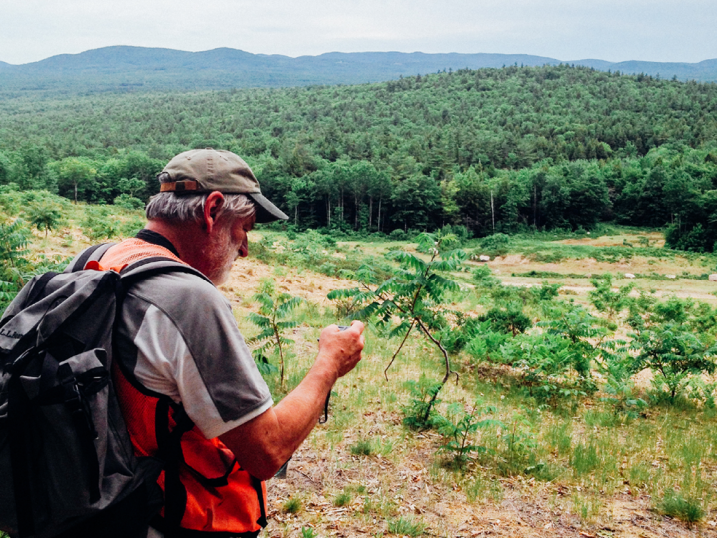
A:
x,y
67,466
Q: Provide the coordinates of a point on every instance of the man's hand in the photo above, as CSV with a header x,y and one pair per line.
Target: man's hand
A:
x,y
342,348
263,444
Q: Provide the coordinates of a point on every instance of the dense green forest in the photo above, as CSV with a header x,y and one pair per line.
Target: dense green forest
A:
x,y
494,149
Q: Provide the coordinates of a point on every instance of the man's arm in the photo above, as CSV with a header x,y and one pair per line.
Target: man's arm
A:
x,y
263,444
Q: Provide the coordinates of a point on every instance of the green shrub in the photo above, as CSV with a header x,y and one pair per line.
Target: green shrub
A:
x,y
99,224
674,504
483,276
126,201
495,245
397,235
458,428
418,413
510,319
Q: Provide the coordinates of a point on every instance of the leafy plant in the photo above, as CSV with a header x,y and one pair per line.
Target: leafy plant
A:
x,y
44,217
673,353
546,361
424,396
413,296
619,386
274,308
510,319
483,276
8,291
459,426
13,242
495,245
126,201
579,327
99,225
607,301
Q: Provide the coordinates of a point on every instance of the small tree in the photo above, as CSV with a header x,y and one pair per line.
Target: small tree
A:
x,y
608,301
413,296
674,353
131,186
578,327
672,339
44,217
274,308
460,425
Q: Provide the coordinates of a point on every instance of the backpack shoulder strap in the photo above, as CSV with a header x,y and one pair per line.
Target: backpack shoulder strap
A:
x,y
156,265
95,252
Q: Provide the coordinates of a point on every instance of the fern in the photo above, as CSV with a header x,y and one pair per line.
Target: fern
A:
x,y
13,242
413,295
273,310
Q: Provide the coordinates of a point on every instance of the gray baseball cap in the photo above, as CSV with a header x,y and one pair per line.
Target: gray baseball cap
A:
x,y
207,170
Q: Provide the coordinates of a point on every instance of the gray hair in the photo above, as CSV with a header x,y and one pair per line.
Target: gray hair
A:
x,y
190,207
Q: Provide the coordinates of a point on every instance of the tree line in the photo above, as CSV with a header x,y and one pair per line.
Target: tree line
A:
x,y
494,149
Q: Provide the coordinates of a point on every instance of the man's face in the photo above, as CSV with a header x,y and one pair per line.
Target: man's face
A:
x,y
226,245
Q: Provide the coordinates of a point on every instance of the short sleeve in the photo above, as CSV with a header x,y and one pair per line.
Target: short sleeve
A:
x,y
188,347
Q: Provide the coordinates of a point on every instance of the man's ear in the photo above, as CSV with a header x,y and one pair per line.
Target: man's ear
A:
x,y
212,207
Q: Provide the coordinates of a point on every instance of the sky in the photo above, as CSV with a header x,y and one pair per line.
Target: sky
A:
x,y
612,30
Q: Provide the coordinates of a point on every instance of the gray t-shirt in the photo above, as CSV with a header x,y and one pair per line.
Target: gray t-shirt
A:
x,y
180,337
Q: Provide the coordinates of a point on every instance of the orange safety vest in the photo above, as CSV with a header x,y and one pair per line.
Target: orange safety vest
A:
x,y
205,489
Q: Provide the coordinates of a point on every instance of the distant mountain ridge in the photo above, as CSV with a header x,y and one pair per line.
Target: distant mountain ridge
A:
x,y
124,67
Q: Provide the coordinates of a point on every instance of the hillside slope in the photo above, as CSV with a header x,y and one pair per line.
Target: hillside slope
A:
x,y
123,68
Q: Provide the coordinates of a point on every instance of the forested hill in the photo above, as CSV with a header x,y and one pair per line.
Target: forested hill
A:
x,y
137,68
494,149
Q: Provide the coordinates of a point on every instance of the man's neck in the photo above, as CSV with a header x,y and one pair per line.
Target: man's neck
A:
x,y
189,239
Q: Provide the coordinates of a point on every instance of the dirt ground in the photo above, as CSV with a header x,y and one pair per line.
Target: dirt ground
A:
x,y
701,290
528,508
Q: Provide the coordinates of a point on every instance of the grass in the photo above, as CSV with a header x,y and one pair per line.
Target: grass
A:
x,y
292,505
538,453
406,526
342,499
674,504
559,437
362,447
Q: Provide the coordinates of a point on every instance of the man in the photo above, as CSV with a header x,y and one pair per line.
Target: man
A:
x,y
178,342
